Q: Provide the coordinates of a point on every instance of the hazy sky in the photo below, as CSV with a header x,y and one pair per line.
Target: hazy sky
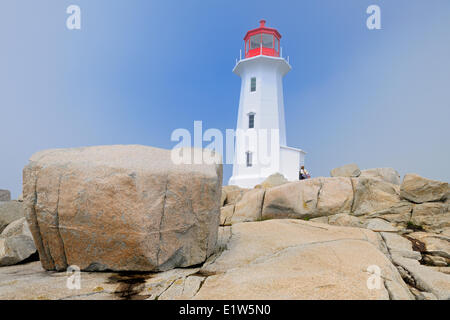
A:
x,y
137,70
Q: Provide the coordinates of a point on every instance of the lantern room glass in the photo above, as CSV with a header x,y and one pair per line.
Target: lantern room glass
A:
x,y
255,41
267,40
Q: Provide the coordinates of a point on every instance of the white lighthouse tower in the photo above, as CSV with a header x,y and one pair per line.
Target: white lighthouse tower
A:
x,y
260,148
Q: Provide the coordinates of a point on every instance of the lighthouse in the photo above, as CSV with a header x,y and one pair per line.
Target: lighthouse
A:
x,y
260,143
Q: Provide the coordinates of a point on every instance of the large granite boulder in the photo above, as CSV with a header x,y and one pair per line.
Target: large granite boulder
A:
x,y
5,195
232,194
10,211
418,189
309,198
349,170
121,208
372,195
387,174
274,180
294,259
249,208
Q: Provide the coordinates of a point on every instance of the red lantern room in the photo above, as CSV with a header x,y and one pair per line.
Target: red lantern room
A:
x,y
262,41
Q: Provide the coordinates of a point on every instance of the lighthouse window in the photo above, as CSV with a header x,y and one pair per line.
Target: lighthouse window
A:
x,y
251,120
267,40
249,158
276,43
253,85
255,41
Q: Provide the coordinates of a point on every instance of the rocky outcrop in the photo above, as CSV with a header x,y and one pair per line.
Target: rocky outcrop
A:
x,y
387,174
232,194
425,278
434,244
5,195
10,211
398,215
274,180
418,189
249,208
226,213
431,216
375,201
372,195
349,170
308,198
121,208
16,243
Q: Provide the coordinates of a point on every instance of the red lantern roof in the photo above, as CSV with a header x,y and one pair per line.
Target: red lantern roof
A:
x,y
262,41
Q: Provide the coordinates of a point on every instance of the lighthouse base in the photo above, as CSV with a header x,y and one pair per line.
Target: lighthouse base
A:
x,y
246,181
291,159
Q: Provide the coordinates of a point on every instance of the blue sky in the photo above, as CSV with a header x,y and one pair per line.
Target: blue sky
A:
x,y
137,70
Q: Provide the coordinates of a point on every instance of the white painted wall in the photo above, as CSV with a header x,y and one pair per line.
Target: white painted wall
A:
x,y
268,106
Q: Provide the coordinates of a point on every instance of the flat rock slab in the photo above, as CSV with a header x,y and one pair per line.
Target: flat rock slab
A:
x,y
292,259
31,282
276,259
426,278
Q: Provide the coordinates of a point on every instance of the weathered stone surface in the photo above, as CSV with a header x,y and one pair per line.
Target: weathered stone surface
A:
x,y
435,244
418,189
9,212
15,249
400,246
372,195
266,260
233,194
121,208
182,289
432,216
225,215
172,284
399,214
31,282
435,260
274,180
387,174
223,198
292,200
380,225
345,220
425,278
5,195
293,259
249,207
422,295
349,170
16,243
308,198
15,228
